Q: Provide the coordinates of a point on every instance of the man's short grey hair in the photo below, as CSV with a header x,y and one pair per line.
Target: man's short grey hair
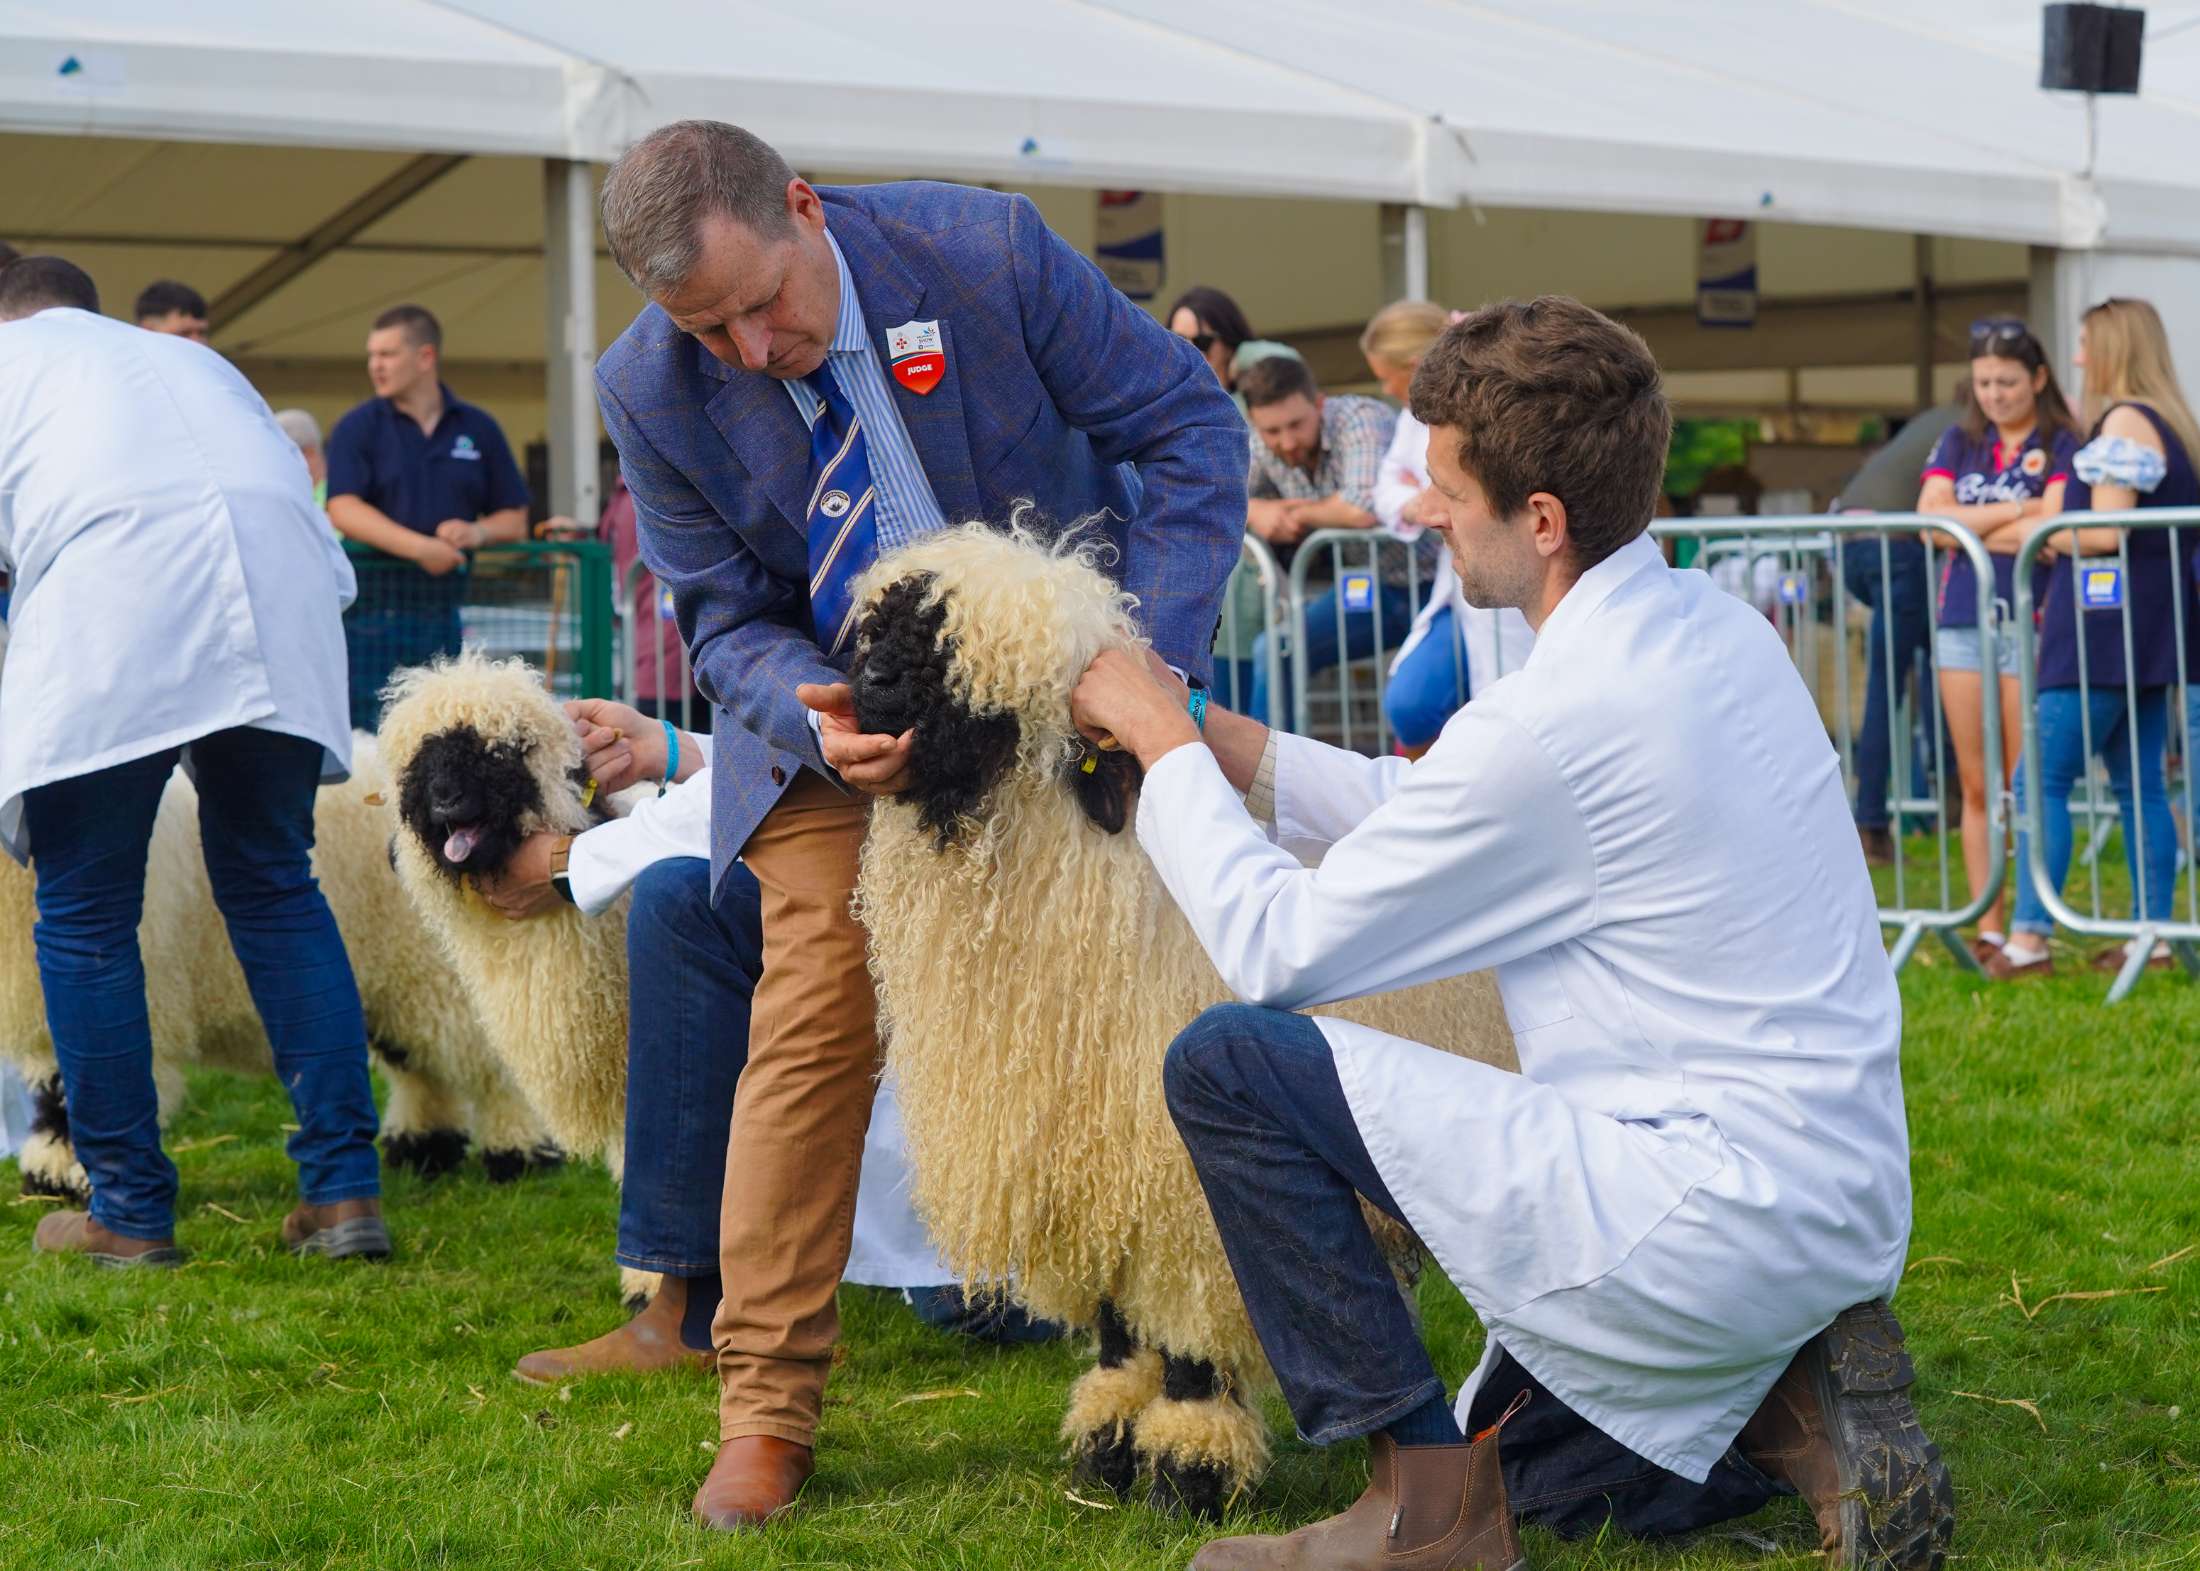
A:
x,y
662,188
300,427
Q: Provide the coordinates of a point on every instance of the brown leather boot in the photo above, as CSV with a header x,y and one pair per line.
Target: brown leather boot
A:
x,y
1427,1508
752,1480
1839,1428
647,1343
75,1233
341,1230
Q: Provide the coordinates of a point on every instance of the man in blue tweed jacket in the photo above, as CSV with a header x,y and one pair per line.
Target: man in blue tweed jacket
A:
x,y
820,376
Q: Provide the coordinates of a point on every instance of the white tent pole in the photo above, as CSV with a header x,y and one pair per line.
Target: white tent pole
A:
x,y
1416,257
569,257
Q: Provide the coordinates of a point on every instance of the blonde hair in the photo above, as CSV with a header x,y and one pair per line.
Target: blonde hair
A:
x,y
2127,360
1400,333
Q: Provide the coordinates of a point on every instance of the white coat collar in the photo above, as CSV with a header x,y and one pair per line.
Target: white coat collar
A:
x,y
1592,589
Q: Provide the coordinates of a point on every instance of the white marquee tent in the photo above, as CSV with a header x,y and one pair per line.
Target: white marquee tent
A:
x,y
1865,114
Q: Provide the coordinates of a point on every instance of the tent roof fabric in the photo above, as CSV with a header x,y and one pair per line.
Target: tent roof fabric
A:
x,y
1866,113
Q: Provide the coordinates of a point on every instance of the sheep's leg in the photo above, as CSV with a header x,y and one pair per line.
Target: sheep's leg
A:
x,y
423,1128
1104,1405
510,1133
50,1166
1205,1445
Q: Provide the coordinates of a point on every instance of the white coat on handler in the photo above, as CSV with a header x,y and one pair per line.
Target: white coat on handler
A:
x,y
1703,1159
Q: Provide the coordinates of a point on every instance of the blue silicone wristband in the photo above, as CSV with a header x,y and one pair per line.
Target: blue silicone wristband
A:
x,y
672,756
1196,702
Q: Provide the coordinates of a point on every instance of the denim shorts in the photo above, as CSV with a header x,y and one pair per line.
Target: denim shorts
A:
x,y
1957,649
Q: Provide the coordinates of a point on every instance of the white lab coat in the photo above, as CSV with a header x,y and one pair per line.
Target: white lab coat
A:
x,y
173,577
891,1246
1497,642
1703,1158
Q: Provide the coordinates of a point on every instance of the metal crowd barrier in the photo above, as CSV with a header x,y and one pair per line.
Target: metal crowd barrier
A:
x,y
1791,569
658,633
546,601
1331,704
2102,583
1252,606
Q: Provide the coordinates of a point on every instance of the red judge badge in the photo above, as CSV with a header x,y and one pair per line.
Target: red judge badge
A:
x,y
913,350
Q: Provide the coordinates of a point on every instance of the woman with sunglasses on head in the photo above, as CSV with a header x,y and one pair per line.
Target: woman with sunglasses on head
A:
x,y
1998,471
2139,454
1217,328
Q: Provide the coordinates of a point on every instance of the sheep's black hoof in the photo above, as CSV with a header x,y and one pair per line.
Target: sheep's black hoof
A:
x,y
505,1166
545,1158
35,1183
1108,1458
428,1152
1194,1489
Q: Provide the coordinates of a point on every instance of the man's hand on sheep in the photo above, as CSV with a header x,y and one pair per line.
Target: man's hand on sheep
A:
x,y
620,746
874,764
1131,699
524,889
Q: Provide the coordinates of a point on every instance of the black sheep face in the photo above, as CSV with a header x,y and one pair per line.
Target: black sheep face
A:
x,y
900,683
468,800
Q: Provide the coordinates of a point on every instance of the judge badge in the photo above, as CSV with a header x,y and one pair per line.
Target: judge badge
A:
x,y
833,503
913,350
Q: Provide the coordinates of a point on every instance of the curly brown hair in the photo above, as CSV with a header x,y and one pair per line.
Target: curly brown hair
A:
x,y
1549,395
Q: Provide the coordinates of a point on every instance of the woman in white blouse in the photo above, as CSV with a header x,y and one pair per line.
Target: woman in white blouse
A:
x,y
1453,648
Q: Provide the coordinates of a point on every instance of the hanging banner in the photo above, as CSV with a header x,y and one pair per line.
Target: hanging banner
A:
x,y
1726,273
1128,240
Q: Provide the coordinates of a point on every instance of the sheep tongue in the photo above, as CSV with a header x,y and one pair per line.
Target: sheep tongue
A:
x,y
461,843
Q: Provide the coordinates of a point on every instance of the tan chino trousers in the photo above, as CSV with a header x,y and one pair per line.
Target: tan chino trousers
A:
x,y
799,1116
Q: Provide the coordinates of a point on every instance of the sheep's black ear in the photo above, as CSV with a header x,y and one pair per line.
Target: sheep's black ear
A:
x,y
1105,791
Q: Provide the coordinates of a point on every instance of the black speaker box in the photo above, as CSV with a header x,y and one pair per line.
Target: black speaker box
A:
x,y
2091,48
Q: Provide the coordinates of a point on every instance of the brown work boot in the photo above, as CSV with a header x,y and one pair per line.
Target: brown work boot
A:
x,y
752,1480
1839,1428
1878,845
2005,967
341,1230
1427,1508
647,1343
75,1233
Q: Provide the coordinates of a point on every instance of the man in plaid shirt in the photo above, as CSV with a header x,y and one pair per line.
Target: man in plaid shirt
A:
x,y
1314,462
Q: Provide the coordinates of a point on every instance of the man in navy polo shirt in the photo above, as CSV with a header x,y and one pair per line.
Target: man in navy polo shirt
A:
x,y
423,478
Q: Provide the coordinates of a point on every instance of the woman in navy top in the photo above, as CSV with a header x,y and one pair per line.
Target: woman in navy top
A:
x,y
2139,455
1998,471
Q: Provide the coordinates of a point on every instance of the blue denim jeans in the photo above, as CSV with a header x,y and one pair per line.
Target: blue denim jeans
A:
x,y
1429,685
2064,715
691,969
89,839
1898,600
1321,641
1255,1095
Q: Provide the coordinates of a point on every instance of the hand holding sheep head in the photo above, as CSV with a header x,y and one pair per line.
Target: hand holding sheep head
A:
x,y
1132,699
877,765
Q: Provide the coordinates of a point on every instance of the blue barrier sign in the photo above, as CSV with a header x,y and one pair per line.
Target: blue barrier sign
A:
x,y
1359,591
1794,588
2100,588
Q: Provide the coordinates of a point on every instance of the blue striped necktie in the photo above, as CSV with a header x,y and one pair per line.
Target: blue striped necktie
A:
x,y
841,520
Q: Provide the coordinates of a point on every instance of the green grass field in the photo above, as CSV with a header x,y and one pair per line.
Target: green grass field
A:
x,y
256,1411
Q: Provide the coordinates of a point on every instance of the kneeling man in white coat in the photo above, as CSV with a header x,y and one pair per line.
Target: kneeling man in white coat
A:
x,y
1679,1221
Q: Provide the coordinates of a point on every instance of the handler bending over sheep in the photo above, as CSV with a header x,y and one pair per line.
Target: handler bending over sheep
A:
x,y
1680,1219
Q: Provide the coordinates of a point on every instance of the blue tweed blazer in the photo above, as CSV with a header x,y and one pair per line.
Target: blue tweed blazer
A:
x,y
1057,391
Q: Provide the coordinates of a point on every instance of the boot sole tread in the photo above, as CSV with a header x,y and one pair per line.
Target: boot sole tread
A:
x,y
1898,1503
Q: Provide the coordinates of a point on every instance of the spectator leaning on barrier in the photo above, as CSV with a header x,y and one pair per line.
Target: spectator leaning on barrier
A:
x,y
423,477
304,430
1888,574
1218,330
1453,647
2138,454
1315,460
1998,471
178,310
179,601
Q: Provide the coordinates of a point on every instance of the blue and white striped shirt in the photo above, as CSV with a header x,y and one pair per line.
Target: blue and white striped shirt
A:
x,y
907,509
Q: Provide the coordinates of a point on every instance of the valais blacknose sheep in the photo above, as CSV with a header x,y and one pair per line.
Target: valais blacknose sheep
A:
x,y
444,1084
480,757
1031,972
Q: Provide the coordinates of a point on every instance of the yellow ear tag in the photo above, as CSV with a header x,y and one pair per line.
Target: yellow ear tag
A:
x,y
588,793
373,799
1092,762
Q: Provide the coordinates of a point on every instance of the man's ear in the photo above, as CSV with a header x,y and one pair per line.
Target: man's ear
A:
x,y
1547,516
